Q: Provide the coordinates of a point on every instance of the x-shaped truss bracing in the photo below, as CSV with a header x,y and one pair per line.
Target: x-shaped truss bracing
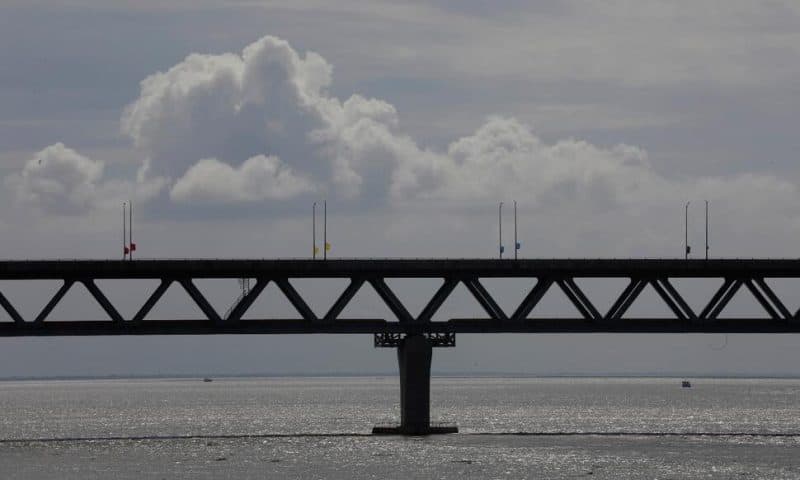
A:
x,y
590,319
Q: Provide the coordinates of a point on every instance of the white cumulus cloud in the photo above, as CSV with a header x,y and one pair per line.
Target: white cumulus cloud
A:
x,y
259,178
504,156
260,125
268,101
59,180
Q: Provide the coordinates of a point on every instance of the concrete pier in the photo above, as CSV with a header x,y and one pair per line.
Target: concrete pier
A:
x,y
414,359
414,354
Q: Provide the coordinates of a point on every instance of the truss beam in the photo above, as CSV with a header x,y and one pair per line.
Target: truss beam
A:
x,y
721,299
577,297
673,299
9,308
437,300
625,300
343,300
531,299
485,300
152,300
200,300
469,272
391,300
296,300
54,301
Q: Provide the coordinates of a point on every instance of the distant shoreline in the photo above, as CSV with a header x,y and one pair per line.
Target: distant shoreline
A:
x,y
487,375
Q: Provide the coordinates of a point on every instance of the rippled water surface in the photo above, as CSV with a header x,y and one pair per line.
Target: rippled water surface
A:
x,y
318,428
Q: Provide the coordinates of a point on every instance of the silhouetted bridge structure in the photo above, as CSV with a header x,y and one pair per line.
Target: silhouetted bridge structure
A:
x,y
413,335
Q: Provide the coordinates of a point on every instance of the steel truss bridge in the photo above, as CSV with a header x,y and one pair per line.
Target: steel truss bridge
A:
x,y
412,335
544,275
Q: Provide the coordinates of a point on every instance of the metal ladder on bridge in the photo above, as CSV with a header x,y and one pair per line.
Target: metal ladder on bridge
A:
x,y
244,284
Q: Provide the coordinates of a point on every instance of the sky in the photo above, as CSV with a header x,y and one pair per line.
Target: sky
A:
x,y
225,121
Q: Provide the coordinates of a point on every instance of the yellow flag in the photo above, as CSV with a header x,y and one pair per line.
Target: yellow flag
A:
x,y
327,247
316,249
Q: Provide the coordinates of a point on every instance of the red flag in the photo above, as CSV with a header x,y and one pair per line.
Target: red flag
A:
x,y
126,250
133,247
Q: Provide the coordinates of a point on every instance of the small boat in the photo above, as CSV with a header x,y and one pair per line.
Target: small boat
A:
x,y
208,380
686,384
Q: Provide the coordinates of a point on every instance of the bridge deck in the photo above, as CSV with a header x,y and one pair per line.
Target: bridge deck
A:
x,y
395,268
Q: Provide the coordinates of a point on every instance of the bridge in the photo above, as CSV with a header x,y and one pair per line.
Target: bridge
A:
x,y
414,336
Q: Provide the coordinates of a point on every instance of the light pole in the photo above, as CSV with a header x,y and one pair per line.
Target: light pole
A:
x,y
687,248
124,233
707,247
500,226
131,245
325,230
516,243
314,231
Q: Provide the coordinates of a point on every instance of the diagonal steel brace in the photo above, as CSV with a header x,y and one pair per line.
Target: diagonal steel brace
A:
x,y
485,299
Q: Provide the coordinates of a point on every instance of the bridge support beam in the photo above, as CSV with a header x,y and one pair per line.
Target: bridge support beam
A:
x,y
414,355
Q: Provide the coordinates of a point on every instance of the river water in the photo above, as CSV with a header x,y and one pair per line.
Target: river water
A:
x,y
319,428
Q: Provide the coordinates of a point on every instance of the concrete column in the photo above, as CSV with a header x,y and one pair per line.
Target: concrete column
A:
x,y
414,358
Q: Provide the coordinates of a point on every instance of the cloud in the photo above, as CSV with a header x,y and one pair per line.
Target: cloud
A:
x,y
58,180
259,178
260,125
272,104
267,101
504,158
